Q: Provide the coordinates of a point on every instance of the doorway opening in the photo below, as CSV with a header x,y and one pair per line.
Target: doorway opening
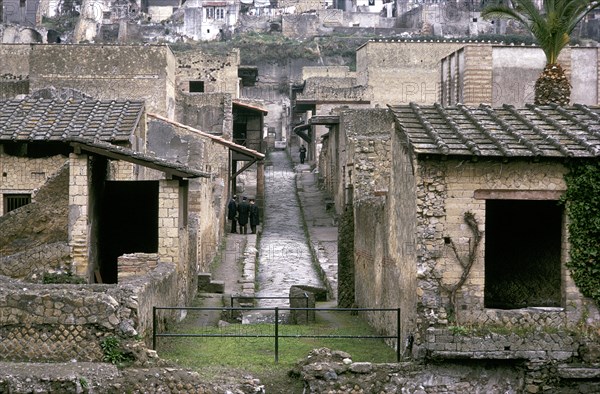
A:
x,y
522,254
128,223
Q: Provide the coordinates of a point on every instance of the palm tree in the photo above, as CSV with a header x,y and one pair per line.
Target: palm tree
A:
x,y
551,27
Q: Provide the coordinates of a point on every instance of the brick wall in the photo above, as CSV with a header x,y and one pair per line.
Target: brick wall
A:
x,y
477,75
79,179
23,175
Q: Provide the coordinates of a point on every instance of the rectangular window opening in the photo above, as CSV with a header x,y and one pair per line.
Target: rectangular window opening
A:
x,y
522,254
14,201
196,86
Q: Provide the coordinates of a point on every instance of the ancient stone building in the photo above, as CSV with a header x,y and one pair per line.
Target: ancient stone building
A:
x,y
400,72
456,220
500,74
108,72
112,195
323,89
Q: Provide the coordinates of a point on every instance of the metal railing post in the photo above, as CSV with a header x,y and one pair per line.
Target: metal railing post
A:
x,y
398,343
276,335
153,328
306,297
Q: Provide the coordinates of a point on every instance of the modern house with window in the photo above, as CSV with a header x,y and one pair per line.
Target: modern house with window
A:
x,y
210,20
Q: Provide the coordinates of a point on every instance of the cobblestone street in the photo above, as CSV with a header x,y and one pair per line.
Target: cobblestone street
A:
x,y
284,254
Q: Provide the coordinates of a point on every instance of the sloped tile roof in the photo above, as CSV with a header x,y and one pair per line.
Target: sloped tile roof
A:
x,y
126,154
57,120
542,131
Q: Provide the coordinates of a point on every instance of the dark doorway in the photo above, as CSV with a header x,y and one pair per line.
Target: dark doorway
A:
x,y
522,254
128,223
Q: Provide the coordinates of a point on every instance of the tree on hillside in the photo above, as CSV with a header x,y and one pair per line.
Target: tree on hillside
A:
x,y
551,26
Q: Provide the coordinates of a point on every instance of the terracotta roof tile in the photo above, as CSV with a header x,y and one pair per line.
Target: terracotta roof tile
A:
x,y
57,120
542,131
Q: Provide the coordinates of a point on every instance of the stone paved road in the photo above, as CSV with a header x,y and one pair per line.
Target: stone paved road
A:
x,y
284,256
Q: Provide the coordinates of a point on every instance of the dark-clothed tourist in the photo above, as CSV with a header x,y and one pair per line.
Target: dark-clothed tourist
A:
x,y
302,154
232,213
254,216
243,212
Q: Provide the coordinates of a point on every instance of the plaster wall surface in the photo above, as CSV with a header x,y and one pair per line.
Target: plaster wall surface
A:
x,y
218,72
500,74
107,72
402,72
14,59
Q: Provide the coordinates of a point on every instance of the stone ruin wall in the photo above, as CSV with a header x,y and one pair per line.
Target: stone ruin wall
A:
x,y
375,261
445,191
51,323
326,370
207,196
107,72
206,112
334,89
14,70
31,264
401,263
42,225
402,72
218,72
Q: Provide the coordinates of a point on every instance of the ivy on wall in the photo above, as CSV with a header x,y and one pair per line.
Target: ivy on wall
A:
x,y
582,201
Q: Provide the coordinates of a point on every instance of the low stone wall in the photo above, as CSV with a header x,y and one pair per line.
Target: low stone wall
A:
x,y
63,322
32,263
327,371
446,344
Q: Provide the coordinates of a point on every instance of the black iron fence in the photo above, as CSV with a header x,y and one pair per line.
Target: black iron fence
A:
x,y
276,334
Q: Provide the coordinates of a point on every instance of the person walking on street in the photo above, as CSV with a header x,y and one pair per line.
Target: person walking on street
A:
x,y
243,212
302,154
232,213
254,216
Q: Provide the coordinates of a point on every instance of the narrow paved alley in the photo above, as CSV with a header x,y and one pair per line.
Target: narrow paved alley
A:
x,y
284,255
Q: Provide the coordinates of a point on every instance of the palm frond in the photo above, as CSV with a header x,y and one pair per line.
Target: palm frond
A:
x,y
551,26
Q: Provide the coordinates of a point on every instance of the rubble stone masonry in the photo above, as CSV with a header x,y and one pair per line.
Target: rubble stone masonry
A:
x,y
52,323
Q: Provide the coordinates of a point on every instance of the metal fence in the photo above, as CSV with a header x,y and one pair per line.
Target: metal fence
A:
x,y
276,335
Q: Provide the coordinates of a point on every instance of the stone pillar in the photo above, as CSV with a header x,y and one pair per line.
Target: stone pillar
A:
x,y
300,298
79,176
260,183
168,221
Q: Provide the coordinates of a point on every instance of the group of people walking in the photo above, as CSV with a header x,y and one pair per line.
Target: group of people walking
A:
x,y
241,213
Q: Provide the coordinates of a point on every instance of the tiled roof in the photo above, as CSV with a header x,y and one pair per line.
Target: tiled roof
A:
x,y
543,131
126,154
57,120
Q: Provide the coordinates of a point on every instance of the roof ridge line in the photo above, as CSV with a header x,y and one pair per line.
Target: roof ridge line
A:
x,y
536,129
468,142
479,126
429,129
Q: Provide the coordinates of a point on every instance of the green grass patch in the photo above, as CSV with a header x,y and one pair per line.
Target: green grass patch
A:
x,y
256,352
